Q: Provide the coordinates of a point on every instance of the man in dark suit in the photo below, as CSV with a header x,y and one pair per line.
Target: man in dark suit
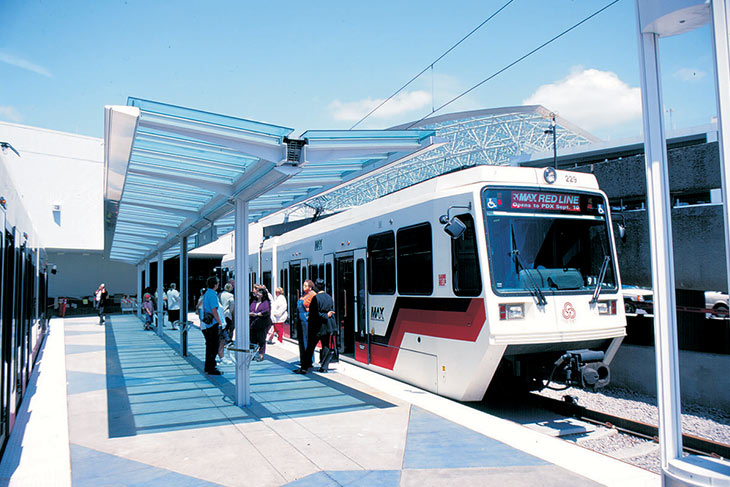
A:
x,y
322,327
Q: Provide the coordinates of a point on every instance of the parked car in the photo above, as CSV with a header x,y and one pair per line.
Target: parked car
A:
x,y
717,302
638,300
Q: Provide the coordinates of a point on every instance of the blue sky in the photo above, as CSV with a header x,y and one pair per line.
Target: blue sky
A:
x,y
324,64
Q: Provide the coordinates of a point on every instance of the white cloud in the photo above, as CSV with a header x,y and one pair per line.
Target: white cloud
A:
x,y
405,102
10,113
689,74
590,98
8,58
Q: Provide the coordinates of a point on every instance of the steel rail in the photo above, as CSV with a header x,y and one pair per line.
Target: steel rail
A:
x,y
690,443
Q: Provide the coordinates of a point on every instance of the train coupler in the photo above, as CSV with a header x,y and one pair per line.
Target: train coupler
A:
x,y
585,369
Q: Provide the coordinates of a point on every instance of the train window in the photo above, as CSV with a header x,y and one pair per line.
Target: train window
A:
x,y
415,260
313,272
281,279
266,280
381,263
320,272
467,278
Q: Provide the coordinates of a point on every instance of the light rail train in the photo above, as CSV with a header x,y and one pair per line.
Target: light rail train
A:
x,y
481,273
23,292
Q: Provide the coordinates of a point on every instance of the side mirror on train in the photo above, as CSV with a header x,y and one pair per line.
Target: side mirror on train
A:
x,y
455,228
54,269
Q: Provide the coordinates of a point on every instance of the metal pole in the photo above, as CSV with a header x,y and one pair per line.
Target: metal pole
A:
x,y
160,292
139,291
662,255
243,375
183,296
721,46
274,268
555,142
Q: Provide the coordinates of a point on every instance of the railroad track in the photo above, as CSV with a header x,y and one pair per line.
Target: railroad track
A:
x,y
691,443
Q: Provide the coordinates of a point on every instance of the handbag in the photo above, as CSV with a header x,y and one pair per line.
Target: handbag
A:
x,y
207,318
335,350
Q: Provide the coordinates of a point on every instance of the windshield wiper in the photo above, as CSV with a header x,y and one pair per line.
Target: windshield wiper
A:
x,y
601,277
533,288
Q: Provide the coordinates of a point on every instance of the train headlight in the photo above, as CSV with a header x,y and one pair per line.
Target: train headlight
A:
x,y
512,311
607,307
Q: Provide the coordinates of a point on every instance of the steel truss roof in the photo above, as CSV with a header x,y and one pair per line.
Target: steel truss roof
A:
x,y
493,137
173,172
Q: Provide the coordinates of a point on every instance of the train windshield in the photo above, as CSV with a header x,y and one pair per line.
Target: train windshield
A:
x,y
548,242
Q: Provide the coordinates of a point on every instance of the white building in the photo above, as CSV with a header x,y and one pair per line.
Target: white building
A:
x,y
60,179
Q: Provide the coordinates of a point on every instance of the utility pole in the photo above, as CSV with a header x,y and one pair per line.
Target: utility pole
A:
x,y
552,130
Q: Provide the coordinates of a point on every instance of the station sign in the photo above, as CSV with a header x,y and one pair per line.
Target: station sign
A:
x,y
532,201
536,200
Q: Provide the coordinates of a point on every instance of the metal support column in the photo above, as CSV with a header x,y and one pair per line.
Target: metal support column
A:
x,y
139,291
183,296
657,18
721,46
160,294
243,376
274,268
662,255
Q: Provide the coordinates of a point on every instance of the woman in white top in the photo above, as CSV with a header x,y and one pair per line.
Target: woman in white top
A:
x,y
278,315
227,303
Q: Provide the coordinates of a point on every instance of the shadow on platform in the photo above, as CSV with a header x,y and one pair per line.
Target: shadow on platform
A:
x,y
151,388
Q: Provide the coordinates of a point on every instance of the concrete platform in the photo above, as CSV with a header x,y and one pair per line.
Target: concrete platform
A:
x,y
139,414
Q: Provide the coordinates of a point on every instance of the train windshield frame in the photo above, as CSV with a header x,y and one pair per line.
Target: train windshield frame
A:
x,y
554,239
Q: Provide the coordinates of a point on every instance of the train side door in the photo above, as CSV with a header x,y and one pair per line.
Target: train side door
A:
x,y
345,301
362,335
297,276
8,336
3,331
329,260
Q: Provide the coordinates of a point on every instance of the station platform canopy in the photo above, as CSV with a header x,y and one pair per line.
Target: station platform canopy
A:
x,y
172,172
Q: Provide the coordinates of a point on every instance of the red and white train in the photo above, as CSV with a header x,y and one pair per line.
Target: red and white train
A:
x,y
488,270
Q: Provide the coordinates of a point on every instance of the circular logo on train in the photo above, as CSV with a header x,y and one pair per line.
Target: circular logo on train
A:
x,y
569,311
550,175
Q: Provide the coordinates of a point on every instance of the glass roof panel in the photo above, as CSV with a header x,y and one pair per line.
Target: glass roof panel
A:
x,y
174,111
185,166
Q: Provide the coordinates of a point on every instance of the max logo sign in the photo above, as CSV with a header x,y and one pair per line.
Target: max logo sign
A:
x,y
376,313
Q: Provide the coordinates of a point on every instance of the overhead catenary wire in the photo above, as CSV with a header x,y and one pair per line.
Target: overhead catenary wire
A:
x,y
430,66
515,62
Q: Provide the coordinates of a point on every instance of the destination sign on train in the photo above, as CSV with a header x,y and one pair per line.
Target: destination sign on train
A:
x,y
533,200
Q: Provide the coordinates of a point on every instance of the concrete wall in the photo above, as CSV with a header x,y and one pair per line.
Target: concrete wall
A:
x,y
703,377
15,210
80,273
56,168
699,243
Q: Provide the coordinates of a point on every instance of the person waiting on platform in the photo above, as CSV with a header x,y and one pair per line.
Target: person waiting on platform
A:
x,y
148,310
173,305
260,315
228,304
278,316
100,298
210,325
322,327
302,328
199,305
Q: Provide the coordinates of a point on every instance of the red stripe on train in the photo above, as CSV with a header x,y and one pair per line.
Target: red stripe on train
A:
x,y
452,325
